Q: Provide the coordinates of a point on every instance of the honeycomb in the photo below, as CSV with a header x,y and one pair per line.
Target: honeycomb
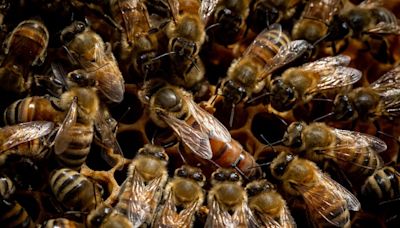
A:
x,y
252,124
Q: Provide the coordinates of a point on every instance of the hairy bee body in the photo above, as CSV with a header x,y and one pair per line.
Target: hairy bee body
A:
x,y
328,202
383,185
62,223
12,214
29,35
73,189
106,216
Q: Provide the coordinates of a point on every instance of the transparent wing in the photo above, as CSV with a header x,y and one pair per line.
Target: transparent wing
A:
x,y
106,133
357,140
286,219
24,132
352,202
174,7
186,215
388,81
330,61
268,221
167,216
336,77
198,141
206,8
391,102
134,14
271,36
170,218
286,55
384,28
368,4
62,139
208,123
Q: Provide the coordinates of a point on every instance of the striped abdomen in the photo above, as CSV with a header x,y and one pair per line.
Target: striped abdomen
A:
x,y
61,223
358,161
383,185
7,187
31,109
12,214
78,148
73,189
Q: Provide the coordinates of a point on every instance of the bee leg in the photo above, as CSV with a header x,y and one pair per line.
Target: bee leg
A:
x,y
234,165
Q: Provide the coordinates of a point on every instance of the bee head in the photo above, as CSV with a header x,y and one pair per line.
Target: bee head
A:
x,y
283,96
293,135
343,107
280,164
233,92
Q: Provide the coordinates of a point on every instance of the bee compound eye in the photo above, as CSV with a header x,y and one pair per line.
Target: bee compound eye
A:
x,y
234,177
181,173
219,176
198,176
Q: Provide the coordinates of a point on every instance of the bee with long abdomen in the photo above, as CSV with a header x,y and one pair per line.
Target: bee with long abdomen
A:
x,y
200,132
185,192
353,152
12,214
141,192
298,85
383,185
328,203
268,205
227,201
73,190
26,46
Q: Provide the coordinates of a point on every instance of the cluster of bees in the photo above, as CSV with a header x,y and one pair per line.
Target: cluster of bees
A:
x,y
196,70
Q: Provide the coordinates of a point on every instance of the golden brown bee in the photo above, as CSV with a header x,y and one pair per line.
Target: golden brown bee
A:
x,y
368,18
264,13
186,35
298,85
228,17
104,216
200,132
25,139
314,22
12,214
141,192
185,192
73,190
353,152
138,45
268,205
383,185
328,203
270,51
380,99
227,201
26,46
7,187
61,223
95,57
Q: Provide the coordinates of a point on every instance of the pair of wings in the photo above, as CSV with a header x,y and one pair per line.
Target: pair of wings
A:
x,y
219,218
333,72
15,135
198,138
285,219
388,87
170,218
322,10
331,192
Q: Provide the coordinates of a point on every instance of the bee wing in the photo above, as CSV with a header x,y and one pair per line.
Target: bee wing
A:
x,y
174,7
368,4
383,28
336,77
131,18
207,8
352,202
268,221
387,82
198,141
286,219
391,102
357,140
275,37
24,132
330,61
208,123
62,138
286,55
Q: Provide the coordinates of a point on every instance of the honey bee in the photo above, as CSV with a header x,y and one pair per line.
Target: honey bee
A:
x,y
227,201
353,152
105,216
199,131
138,44
368,18
298,85
73,190
12,214
268,205
26,139
228,17
270,50
184,191
264,13
383,185
26,46
186,35
95,57
328,203
379,99
7,187
141,192
314,22
61,223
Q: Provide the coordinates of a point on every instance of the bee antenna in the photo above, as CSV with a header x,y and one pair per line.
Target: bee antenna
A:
x,y
181,155
283,121
232,115
388,135
212,26
214,163
323,99
234,165
323,117
259,165
163,55
153,137
258,97
124,114
145,75
321,39
268,143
